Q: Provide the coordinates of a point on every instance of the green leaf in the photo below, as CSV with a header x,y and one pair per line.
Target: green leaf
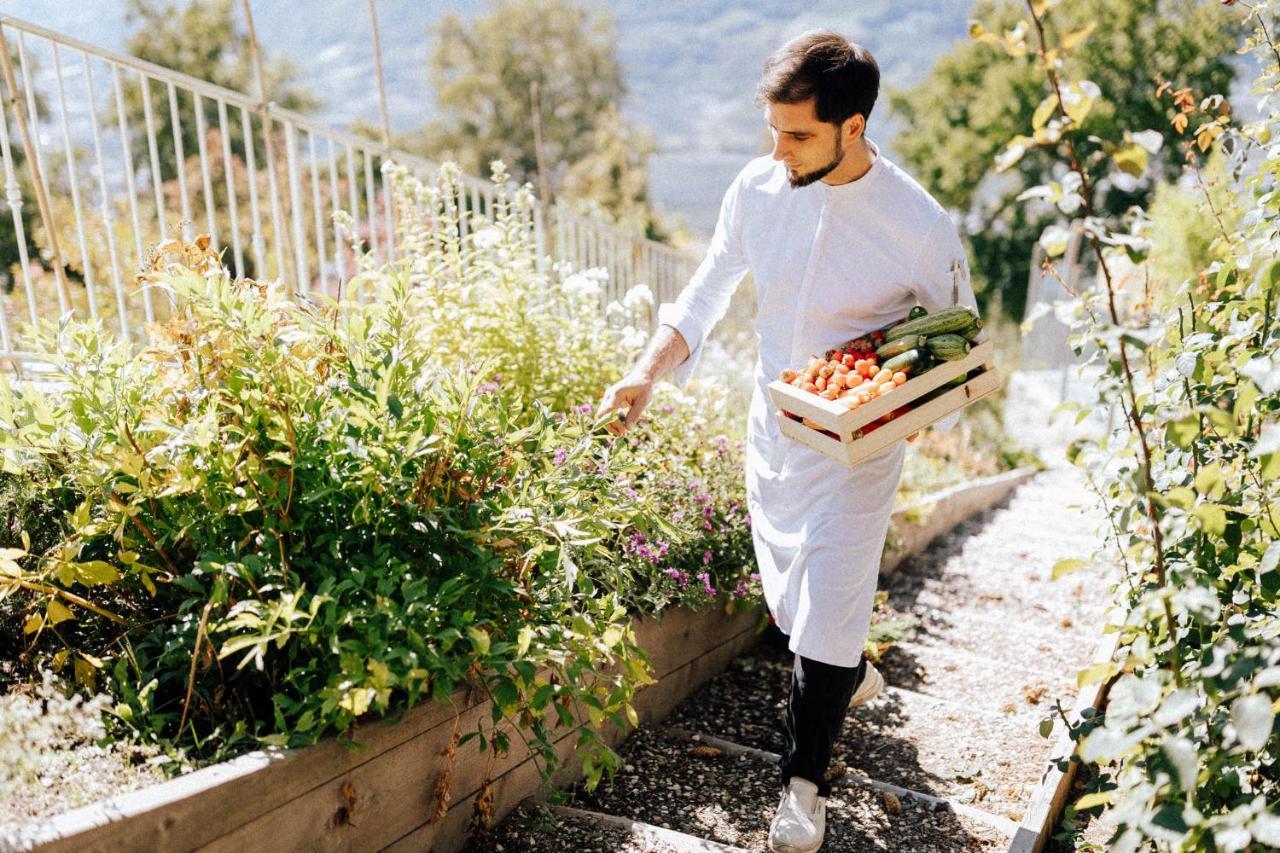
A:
x,y
479,639
1089,801
1181,497
1252,717
1183,431
395,407
1213,518
1182,755
524,639
1067,566
1046,727
1044,111
96,573
1078,100
1209,480
58,612
1131,159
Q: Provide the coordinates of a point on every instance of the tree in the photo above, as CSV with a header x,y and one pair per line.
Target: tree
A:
x,y
204,41
956,122
612,181
485,75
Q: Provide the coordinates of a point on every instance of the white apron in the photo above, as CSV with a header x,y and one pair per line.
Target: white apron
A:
x,y
830,263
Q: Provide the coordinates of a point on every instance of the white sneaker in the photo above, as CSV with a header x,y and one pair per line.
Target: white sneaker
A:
x,y
801,820
869,688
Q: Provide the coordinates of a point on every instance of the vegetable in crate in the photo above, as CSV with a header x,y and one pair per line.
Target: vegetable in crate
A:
x,y
948,347
947,320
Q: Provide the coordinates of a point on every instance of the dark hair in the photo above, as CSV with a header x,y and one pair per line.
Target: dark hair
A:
x,y
841,76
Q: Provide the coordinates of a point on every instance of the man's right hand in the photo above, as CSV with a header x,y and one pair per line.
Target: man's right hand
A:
x,y
633,393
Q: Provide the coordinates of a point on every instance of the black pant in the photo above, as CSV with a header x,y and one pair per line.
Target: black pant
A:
x,y
816,706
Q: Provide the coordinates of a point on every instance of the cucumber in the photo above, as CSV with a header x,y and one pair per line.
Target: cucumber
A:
x,y
971,334
941,322
948,347
917,312
911,361
900,346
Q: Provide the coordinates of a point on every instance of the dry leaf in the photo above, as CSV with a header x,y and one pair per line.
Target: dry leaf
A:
x,y
892,804
705,751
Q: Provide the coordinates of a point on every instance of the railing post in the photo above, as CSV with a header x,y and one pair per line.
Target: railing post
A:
x,y
37,176
13,195
108,221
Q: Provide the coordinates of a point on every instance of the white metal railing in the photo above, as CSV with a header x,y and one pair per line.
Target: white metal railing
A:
x,y
106,162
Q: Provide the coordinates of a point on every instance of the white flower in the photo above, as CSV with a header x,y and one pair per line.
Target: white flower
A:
x,y
487,238
614,309
638,295
582,285
632,338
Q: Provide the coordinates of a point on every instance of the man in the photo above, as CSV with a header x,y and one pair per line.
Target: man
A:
x,y
840,241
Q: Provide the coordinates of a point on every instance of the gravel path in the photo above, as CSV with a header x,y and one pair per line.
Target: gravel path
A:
x,y
997,642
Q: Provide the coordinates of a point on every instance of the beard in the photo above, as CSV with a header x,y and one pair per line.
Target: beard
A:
x,y
798,180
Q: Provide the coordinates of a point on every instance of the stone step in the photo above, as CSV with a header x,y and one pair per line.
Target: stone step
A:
x,y
648,832
730,797
996,822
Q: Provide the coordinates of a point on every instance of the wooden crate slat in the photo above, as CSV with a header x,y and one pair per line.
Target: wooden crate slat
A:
x,y
844,421
855,451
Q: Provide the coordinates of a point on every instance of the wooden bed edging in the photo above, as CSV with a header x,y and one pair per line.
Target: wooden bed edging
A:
x,y
334,797
913,528
1050,797
381,794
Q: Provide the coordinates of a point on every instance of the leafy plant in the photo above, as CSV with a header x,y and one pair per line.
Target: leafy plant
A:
x,y
1185,753
290,515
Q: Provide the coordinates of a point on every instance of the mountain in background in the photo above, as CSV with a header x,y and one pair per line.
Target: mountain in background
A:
x,y
690,68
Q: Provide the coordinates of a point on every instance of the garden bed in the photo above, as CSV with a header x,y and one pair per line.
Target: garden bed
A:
x,y
382,793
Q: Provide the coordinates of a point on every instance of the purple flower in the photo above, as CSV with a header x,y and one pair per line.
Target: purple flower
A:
x,y
755,576
740,591
666,410
707,511
662,549
678,515
487,387
706,525
585,408
706,584
695,485
559,457
706,558
677,575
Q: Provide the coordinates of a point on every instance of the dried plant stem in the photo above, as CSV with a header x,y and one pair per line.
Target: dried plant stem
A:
x,y
1135,417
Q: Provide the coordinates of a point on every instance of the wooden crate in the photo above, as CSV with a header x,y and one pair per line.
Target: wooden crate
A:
x,y
840,437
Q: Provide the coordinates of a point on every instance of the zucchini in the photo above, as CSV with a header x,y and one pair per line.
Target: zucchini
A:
x,y
948,347
941,322
900,346
909,362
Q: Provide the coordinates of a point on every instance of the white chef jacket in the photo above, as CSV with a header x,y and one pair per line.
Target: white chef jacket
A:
x,y
830,263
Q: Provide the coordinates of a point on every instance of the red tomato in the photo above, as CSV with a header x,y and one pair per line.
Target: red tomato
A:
x,y
848,360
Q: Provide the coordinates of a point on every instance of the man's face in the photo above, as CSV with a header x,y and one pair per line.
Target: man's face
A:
x,y
809,148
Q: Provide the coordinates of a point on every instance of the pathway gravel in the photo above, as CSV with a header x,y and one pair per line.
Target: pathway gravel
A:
x,y
997,642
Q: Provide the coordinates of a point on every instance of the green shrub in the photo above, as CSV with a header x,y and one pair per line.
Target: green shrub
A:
x,y
291,513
